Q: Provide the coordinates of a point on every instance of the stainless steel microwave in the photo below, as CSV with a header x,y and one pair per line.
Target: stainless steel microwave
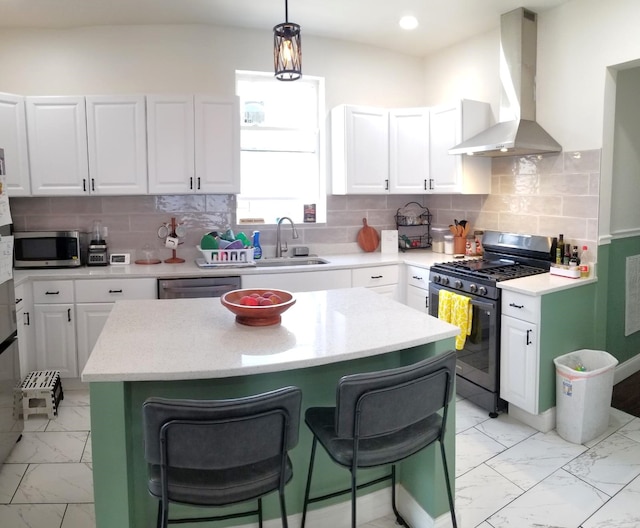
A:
x,y
49,249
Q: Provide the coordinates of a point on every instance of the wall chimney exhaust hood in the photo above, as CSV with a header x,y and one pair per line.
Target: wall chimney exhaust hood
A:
x,y
517,132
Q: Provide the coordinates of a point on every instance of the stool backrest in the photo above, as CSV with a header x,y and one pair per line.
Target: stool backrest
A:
x,y
377,403
221,434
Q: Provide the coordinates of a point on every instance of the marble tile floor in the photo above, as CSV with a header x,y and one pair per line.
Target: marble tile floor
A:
x,y
507,474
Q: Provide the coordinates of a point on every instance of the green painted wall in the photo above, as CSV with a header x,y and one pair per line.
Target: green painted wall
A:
x,y
566,324
121,496
623,348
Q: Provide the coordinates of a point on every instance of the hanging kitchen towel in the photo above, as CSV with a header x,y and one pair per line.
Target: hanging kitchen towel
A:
x,y
444,305
461,316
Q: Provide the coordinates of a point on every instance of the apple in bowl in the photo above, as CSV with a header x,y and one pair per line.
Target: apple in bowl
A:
x,y
256,306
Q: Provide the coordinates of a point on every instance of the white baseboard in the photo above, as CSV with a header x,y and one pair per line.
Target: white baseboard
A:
x,y
626,369
416,516
543,422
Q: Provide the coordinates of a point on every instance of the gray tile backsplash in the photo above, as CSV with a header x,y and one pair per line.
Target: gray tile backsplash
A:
x,y
543,195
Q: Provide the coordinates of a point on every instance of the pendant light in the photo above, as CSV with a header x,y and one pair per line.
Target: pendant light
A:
x,y
287,50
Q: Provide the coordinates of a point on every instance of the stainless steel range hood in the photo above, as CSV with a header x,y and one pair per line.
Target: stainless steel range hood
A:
x,y
517,133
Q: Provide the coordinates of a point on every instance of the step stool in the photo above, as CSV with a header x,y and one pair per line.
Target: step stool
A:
x,y
41,392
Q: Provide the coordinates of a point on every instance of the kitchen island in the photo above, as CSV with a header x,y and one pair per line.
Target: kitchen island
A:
x,y
193,348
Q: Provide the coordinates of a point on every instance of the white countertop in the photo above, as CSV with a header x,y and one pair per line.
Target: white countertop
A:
x,y
536,285
185,339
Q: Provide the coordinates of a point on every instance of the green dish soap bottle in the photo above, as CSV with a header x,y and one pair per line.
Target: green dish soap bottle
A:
x,y
257,249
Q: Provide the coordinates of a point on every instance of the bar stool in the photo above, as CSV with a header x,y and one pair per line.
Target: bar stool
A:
x,y
381,418
220,452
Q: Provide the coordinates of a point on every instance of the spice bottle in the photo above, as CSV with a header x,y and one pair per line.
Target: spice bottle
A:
x,y
560,249
584,263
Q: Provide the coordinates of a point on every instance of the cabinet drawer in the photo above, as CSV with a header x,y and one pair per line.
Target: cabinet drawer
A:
x,y
418,277
111,290
374,276
525,307
53,292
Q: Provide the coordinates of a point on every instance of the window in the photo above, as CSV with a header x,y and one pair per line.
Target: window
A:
x,y
282,147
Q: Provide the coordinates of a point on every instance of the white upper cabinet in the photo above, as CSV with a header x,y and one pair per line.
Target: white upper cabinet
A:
x,y
409,150
117,144
193,144
217,144
359,150
57,135
450,125
13,139
170,143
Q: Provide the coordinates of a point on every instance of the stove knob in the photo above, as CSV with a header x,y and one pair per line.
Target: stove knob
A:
x,y
436,279
482,290
445,281
473,288
458,284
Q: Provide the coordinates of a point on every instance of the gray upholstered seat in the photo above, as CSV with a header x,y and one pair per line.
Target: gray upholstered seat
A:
x,y
220,452
381,418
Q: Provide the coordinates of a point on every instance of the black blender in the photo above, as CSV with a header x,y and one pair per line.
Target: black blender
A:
x,y
97,254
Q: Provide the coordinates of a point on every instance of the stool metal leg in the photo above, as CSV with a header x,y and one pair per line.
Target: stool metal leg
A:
x,y
308,488
399,518
446,478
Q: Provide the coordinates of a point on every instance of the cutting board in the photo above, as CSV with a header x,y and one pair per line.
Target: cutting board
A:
x,y
368,237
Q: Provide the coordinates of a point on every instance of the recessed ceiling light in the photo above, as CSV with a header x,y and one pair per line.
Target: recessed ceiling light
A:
x,y
408,22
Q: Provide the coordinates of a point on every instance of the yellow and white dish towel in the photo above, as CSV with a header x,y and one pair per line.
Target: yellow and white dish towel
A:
x,y
457,310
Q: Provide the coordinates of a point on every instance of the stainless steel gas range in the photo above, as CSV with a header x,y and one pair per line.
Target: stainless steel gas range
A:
x,y
506,256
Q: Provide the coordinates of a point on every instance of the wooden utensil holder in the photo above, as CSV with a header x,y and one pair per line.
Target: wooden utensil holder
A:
x,y
459,245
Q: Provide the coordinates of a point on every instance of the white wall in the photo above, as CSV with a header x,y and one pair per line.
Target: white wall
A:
x,y
192,59
576,43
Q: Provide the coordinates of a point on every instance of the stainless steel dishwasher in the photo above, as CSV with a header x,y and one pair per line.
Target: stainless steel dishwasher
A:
x,y
196,287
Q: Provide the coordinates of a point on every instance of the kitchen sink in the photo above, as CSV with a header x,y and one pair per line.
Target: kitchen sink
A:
x,y
290,261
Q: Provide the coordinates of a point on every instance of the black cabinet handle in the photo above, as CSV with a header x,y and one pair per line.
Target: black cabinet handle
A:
x,y
115,291
416,277
377,276
69,314
431,184
514,305
84,185
198,183
18,300
93,184
52,293
27,319
528,334
386,185
190,183
425,185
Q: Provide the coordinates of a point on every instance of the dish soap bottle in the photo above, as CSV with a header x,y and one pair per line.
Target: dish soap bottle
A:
x,y
257,249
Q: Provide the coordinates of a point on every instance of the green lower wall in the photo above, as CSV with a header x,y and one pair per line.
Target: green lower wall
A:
x,y
613,291
121,496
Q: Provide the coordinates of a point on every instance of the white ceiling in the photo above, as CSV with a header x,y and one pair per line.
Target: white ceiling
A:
x,y
375,22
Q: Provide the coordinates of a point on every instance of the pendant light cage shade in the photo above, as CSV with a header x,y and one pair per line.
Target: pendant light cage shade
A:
x,y
287,50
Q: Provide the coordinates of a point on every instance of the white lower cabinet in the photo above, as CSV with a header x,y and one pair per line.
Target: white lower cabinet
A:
x,y
520,350
55,330
95,299
300,282
417,293
56,338
380,279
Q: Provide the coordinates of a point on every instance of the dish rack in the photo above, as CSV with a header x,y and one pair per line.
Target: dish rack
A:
x,y
228,257
413,222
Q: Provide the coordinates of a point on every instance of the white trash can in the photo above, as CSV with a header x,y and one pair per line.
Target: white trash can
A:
x,y
584,384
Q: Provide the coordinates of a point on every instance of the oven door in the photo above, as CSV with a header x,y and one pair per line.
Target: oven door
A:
x,y
478,361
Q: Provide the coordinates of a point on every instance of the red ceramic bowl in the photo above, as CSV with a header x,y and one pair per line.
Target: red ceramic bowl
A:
x,y
257,315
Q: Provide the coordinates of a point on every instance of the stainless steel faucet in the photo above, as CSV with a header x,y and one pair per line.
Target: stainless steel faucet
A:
x,y
279,249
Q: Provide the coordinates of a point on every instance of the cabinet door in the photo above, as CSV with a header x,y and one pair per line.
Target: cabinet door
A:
x,y
409,150
13,139
91,320
360,150
170,144
117,144
418,298
217,145
57,133
24,319
449,125
519,363
56,338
